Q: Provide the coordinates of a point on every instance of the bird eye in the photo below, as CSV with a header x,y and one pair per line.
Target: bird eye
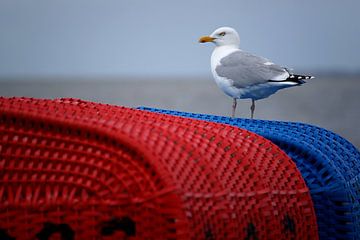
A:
x,y
222,34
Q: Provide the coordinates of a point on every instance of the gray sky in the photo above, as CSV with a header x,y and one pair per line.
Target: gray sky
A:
x,y
159,38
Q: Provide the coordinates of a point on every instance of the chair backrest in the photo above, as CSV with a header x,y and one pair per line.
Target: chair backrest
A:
x,y
85,170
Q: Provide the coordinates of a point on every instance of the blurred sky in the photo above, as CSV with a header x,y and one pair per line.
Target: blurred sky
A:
x,y
159,38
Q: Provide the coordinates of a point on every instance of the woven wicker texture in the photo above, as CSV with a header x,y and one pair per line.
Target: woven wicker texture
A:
x,y
92,171
329,164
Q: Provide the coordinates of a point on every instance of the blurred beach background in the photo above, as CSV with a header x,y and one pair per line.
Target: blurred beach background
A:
x,y
145,53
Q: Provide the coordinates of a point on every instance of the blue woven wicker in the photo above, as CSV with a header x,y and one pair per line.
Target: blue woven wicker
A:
x,y
329,164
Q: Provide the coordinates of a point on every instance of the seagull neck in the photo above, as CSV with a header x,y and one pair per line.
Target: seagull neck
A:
x,y
227,47
221,51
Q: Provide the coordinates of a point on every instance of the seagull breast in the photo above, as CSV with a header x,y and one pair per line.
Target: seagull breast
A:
x,y
225,84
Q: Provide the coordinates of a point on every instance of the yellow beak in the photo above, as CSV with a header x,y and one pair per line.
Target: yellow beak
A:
x,y
206,39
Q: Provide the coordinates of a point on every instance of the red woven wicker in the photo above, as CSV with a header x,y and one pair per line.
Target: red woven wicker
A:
x,y
94,171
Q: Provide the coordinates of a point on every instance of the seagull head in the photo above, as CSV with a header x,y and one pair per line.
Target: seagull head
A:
x,y
222,36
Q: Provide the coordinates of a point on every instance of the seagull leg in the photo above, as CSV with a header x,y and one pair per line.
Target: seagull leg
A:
x,y
252,108
233,108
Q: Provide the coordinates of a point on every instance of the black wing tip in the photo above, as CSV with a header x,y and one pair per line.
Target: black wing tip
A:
x,y
299,79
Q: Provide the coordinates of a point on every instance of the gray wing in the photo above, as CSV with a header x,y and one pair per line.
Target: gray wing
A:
x,y
246,69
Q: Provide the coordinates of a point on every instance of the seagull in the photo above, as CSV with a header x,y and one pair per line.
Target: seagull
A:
x,y
242,75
